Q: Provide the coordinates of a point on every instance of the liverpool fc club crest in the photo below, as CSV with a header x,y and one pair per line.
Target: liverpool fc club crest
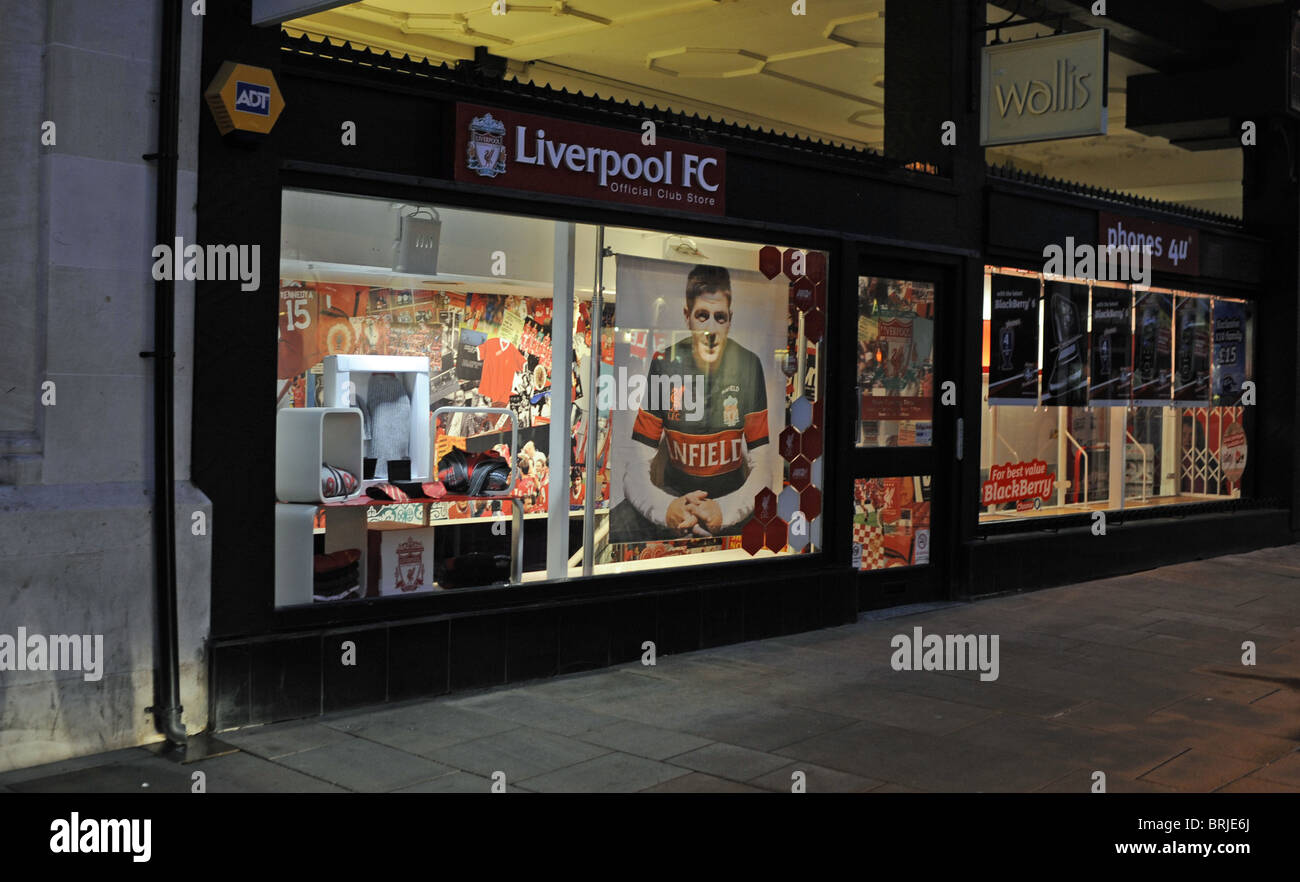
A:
x,y
730,411
410,566
487,146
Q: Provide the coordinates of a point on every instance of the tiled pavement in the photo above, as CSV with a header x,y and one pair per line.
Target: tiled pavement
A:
x,y
1140,677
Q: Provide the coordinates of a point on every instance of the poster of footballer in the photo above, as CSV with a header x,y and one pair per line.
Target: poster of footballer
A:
x,y
697,398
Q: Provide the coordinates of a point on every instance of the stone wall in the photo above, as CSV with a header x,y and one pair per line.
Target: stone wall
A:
x,y
76,231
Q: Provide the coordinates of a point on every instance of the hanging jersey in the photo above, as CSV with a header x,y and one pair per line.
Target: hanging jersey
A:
x,y
501,361
707,453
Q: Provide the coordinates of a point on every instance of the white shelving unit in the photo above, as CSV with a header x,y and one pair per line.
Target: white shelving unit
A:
x,y
346,375
307,438
345,527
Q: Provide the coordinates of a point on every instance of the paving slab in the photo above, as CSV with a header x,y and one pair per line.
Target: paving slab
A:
x,y
608,773
1199,771
520,753
730,761
1081,781
364,766
423,728
766,728
520,707
642,739
245,773
698,782
899,707
1284,770
1126,755
284,739
927,762
452,782
1256,784
816,779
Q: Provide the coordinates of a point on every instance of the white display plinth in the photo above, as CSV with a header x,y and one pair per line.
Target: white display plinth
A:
x,y
307,438
346,380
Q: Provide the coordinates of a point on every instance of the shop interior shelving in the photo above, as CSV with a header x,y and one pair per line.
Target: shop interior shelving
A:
x,y
346,526
307,438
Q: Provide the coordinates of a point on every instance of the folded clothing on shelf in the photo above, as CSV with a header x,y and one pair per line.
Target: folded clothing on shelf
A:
x,y
336,576
347,594
324,564
405,491
337,482
482,474
387,492
424,490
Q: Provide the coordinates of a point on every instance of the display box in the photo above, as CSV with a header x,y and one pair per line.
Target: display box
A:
x,y
307,438
400,560
345,529
347,384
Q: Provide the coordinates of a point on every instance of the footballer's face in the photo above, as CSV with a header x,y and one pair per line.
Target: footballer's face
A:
x,y
709,319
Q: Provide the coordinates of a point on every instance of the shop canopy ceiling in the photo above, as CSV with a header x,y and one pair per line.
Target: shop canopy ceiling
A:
x,y
750,62
754,63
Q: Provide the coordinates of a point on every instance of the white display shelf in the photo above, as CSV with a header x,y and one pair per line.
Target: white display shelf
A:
x,y
307,438
345,375
295,548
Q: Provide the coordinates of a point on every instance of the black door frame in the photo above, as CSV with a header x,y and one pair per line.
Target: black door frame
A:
x,y
935,580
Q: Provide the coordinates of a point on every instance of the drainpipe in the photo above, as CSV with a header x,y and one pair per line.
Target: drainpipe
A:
x,y
166,708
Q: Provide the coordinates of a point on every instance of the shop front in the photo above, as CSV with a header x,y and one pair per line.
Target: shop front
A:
x,y
562,382
1123,416
552,393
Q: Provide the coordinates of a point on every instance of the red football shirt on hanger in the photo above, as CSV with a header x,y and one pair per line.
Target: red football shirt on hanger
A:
x,y
501,361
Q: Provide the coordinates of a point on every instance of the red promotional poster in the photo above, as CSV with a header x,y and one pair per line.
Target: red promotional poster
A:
x,y
891,522
1232,454
895,359
299,345
896,353
1018,482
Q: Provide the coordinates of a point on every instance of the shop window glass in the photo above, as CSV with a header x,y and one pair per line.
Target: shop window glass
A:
x,y
705,404
891,522
895,366
710,391
1098,396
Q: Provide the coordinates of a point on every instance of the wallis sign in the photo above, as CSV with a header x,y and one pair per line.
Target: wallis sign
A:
x,y
1039,90
547,155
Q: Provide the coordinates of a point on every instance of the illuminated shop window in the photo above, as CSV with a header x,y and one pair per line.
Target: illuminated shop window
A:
x,y
1101,396
693,424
